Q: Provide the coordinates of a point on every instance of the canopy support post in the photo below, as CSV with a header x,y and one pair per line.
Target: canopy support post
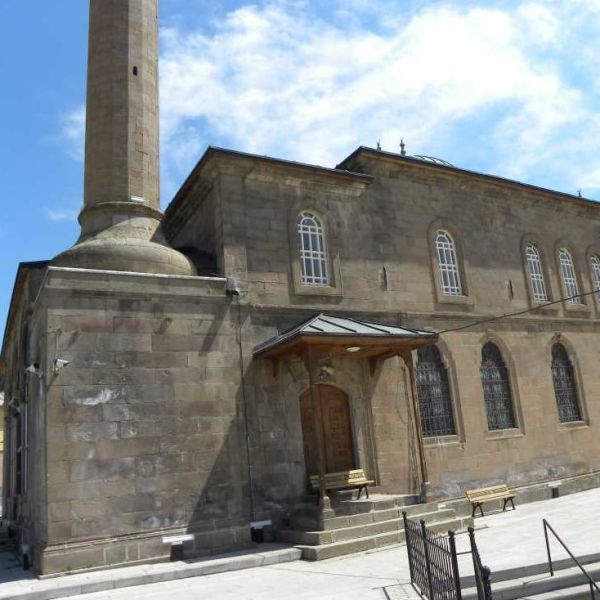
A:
x,y
324,500
408,361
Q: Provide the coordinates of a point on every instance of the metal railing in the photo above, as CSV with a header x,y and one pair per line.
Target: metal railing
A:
x,y
432,560
591,582
482,573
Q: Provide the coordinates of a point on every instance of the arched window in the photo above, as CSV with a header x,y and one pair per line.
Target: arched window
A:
x,y
595,268
536,274
313,252
435,403
567,269
565,388
448,264
496,389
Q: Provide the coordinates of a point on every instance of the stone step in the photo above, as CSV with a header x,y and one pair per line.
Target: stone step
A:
x,y
357,526
360,507
375,516
578,592
534,586
353,507
534,569
370,542
318,538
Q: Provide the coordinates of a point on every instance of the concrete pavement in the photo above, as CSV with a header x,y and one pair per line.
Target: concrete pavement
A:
x,y
505,540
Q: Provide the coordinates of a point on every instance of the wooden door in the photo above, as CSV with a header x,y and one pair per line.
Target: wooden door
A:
x,y
337,431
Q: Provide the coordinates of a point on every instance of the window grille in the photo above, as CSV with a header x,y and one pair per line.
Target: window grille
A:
x,y
313,253
433,391
496,389
536,275
569,276
448,264
565,388
595,266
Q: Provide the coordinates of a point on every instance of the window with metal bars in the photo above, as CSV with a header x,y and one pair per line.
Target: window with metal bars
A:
x,y
448,264
433,391
565,387
496,389
313,251
536,274
595,268
569,277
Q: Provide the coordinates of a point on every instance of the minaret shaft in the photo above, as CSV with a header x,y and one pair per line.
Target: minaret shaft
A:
x,y
122,103
120,219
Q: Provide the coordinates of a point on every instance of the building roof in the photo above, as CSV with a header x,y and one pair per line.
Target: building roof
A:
x,y
20,280
345,330
214,151
350,163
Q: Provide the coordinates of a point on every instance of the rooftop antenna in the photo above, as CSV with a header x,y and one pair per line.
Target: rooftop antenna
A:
x,y
378,144
402,147
579,193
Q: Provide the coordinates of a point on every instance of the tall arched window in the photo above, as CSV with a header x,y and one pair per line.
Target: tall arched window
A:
x,y
435,403
313,251
496,389
448,264
569,277
595,268
536,274
565,388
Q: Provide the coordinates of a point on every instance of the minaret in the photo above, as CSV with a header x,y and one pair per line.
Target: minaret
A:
x,y
121,214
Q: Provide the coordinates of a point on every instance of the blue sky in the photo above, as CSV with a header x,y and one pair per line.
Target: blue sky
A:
x,y
505,87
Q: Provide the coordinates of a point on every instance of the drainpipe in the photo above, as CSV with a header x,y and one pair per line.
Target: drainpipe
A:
x,y
408,361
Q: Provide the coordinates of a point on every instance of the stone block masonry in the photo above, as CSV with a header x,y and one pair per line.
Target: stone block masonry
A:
x,y
144,421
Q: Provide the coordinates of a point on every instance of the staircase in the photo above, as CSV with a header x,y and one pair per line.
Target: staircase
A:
x,y
358,525
533,582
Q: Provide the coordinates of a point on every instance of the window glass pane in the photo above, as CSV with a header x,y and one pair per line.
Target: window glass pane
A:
x,y
496,389
433,391
536,274
595,265
313,255
565,388
448,264
569,276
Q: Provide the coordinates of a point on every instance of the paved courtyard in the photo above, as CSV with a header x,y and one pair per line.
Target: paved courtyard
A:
x,y
505,540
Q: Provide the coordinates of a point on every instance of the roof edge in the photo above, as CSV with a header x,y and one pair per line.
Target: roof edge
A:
x,y
237,154
298,331
22,270
409,160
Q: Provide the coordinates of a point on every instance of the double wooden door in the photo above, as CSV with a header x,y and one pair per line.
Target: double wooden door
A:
x,y
336,427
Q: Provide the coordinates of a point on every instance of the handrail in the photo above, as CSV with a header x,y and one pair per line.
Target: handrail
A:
x,y
590,580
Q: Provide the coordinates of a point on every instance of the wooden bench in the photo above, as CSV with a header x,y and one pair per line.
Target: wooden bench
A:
x,y
344,480
497,492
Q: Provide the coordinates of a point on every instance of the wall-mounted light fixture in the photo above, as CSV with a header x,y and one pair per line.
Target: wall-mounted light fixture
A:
x,y
60,363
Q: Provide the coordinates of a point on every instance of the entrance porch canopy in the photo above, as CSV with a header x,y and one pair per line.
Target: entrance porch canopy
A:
x,y
345,336
328,335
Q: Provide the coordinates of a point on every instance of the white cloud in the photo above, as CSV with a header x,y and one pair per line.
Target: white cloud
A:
x,y
275,79
62,214
516,80
72,133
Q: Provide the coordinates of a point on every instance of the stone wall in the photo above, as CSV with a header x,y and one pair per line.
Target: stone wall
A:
x,y
379,234
145,428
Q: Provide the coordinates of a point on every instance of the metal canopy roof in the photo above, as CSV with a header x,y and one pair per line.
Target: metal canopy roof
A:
x,y
329,328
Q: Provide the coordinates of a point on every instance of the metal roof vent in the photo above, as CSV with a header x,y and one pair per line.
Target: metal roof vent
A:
x,y
432,159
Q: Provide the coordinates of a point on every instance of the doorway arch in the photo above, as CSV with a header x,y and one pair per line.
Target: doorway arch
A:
x,y
337,430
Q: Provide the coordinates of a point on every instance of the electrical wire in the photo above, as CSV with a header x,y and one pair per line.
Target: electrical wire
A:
x,y
517,313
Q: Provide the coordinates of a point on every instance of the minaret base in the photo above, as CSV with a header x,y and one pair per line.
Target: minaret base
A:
x,y
121,237
125,254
